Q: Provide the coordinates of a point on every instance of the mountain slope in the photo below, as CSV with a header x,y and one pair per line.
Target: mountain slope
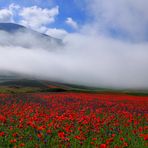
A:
x,y
10,27
18,35
14,36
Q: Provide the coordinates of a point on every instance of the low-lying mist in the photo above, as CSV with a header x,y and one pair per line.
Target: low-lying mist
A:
x,y
84,60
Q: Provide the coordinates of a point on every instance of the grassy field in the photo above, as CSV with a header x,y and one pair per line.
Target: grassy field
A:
x,y
34,86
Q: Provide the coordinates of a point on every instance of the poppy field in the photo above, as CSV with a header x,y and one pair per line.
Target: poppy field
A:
x,y
73,120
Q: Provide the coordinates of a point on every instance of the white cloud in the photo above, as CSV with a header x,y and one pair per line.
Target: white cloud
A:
x,y
6,15
128,16
36,17
14,7
88,60
57,33
71,23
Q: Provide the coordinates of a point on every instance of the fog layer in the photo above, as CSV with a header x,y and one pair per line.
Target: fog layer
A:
x,y
84,59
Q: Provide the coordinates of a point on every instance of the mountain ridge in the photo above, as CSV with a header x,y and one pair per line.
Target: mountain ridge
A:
x,y
13,28
15,35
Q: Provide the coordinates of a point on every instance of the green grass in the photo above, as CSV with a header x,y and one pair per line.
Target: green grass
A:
x,y
34,86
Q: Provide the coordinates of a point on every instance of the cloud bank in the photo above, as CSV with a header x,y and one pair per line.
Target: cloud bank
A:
x,y
93,61
125,18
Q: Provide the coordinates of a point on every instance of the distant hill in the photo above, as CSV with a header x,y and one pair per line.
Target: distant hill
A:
x,y
10,27
15,35
31,36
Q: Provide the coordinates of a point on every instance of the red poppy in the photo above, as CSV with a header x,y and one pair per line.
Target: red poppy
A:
x,y
103,146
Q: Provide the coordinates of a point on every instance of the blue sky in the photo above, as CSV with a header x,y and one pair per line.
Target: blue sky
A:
x,y
67,8
116,19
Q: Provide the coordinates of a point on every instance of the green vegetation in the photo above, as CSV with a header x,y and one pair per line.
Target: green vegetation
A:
x,y
33,86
